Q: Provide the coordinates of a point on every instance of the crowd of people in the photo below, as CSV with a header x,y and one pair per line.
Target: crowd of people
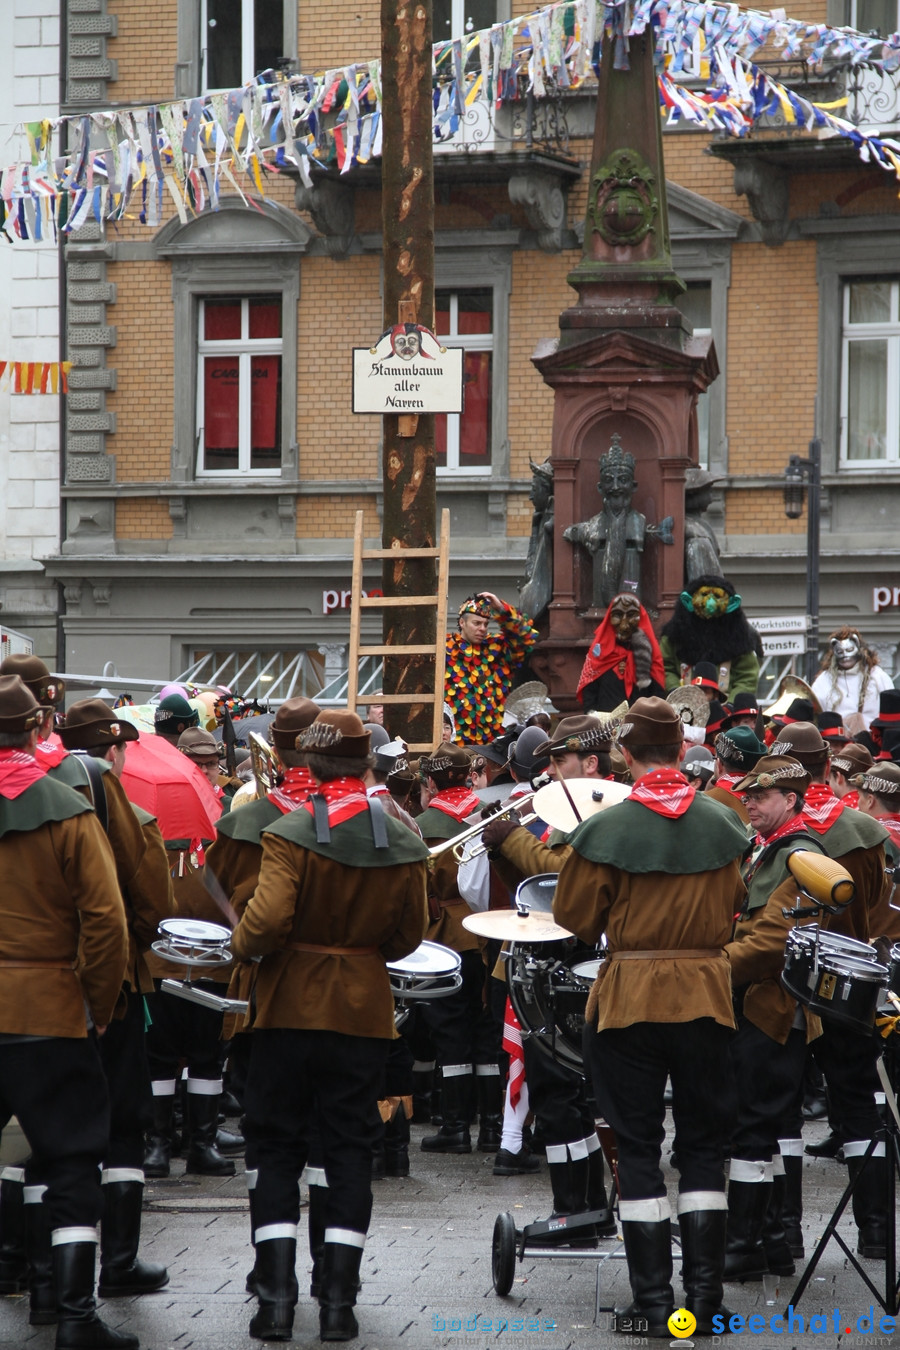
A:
x,y
339,862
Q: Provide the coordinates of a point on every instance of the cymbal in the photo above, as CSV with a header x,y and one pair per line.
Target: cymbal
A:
x,y
508,926
590,795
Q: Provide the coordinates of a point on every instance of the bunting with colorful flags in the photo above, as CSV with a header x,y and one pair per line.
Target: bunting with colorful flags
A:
x,y
35,377
129,162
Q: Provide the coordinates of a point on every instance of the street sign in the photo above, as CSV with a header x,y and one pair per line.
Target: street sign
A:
x,y
408,372
784,623
787,644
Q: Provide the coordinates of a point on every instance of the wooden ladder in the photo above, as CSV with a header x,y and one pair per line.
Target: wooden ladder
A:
x,y
437,649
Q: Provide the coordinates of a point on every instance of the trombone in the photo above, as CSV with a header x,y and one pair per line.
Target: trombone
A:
x,y
458,842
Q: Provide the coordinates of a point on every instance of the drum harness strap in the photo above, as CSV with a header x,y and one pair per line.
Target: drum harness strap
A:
x,y
323,829
333,951
95,783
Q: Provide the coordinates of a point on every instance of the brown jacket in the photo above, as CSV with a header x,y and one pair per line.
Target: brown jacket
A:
x,y
60,903
757,960
305,897
235,863
647,912
731,801
149,898
192,901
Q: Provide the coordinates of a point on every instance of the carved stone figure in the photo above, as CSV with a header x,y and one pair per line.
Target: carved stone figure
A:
x,y
701,548
536,590
615,536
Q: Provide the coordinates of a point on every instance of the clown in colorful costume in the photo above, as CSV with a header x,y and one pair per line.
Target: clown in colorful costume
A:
x,y
480,666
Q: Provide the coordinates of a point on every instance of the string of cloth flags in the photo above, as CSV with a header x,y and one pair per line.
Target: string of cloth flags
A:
x,y
125,161
35,377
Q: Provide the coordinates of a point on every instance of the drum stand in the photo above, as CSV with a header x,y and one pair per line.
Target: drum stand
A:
x,y
890,1300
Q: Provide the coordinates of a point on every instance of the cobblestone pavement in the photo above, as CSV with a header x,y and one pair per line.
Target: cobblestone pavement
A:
x,y
427,1271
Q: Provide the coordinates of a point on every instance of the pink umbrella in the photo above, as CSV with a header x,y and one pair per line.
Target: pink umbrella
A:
x,y
164,781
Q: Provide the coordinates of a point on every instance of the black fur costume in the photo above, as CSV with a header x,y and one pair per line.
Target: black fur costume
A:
x,y
716,640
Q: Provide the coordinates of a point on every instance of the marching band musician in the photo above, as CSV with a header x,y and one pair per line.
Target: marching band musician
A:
x,y
464,1035
658,873
578,749
60,907
324,1013
879,797
847,1060
737,750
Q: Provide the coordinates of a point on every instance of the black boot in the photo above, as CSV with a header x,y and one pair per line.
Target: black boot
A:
x,y
378,1150
41,1293
13,1262
396,1145
792,1206
569,1184
648,1247
121,1271
276,1289
829,1147
203,1158
453,1135
703,1257
79,1327
158,1151
775,1243
337,1297
229,1142
596,1194
489,1091
318,1196
869,1209
745,1256
423,1086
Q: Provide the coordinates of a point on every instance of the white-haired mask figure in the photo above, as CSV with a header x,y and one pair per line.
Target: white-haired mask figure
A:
x,y
850,679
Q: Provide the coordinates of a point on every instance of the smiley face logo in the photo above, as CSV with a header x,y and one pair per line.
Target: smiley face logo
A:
x,y
682,1323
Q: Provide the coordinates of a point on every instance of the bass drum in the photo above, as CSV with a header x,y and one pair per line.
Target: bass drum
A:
x,y
548,996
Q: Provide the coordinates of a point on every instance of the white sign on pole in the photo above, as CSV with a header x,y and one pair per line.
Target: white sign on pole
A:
x,y
408,371
789,644
784,623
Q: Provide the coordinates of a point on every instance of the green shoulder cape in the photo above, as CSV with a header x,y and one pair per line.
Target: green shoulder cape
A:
x,y
773,869
73,773
247,823
851,830
351,843
635,839
436,824
42,802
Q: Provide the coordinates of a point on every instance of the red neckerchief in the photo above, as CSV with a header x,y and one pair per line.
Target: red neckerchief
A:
x,y
345,798
293,790
821,807
18,771
50,753
665,791
457,802
512,1044
793,825
606,653
851,799
727,782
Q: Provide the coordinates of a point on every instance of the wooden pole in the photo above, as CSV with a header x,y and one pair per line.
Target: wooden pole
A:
x,y
410,505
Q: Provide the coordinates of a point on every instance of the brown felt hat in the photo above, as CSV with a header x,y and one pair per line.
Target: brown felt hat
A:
x,y
91,722
651,721
775,771
446,758
882,779
294,716
852,759
199,744
581,734
802,741
335,732
31,670
20,711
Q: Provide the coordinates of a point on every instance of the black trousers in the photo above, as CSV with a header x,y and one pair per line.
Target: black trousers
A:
x,y
768,1078
57,1089
182,1031
123,1055
296,1078
847,1060
557,1097
629,1067
461,1028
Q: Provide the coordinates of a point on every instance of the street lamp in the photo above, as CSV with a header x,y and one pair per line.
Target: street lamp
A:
x,y
799,475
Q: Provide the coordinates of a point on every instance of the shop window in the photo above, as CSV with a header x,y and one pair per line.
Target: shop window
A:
x,y
466,319
239,393
870,373
239,39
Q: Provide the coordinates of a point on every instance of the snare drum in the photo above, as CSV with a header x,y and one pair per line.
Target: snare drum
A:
x,y
894,970
587,971
192,942
431,971
835,976
549,997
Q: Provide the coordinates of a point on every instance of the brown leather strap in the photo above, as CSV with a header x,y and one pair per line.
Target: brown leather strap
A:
x,y
35,964
333,951
675,953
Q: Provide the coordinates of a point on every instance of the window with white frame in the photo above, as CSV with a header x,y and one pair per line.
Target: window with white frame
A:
x,y
465,318
239,396
239,39
870,373
874,16
696,305
455,18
